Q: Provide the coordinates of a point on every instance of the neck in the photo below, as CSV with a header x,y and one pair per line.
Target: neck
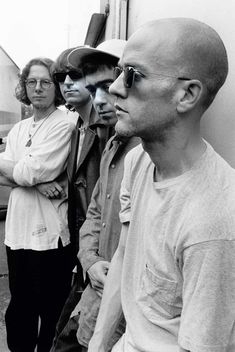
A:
x,y
176,155
40,114
84,112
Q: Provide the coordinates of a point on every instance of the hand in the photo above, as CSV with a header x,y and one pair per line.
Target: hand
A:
x,y
51,190
97,274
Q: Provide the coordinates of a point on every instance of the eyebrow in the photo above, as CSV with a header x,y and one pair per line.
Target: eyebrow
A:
x,y
137,66
100,83
41,78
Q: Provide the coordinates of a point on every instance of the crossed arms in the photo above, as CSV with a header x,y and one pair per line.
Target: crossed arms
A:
x,y
6,173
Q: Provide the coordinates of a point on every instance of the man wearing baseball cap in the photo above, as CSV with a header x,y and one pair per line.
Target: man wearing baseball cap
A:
x,y
99,234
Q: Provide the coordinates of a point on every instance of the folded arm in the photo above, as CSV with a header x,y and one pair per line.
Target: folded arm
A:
x,y
51,190
6,172
47,160
44,162
6,182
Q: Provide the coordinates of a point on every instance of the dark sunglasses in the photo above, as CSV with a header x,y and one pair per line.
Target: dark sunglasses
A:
x,y
60,77
130,75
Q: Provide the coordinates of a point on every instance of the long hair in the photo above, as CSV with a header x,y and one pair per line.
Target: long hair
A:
x,y
20,90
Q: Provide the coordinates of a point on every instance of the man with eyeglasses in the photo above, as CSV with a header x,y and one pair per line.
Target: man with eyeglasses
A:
x,y
86,146
173,272
36,234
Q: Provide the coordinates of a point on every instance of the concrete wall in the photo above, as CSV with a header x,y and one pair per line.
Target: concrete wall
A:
x,y
218,125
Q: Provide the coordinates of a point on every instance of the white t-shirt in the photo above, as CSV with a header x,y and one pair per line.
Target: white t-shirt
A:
x,y
34,221
178,282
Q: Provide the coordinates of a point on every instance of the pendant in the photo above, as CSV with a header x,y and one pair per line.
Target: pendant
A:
x,y
28,144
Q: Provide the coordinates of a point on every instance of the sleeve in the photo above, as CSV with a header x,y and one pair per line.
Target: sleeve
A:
x,y
90,231
8,154
125,201
207,320
47,160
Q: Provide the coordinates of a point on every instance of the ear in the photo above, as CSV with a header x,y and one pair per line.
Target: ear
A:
x,y
190,94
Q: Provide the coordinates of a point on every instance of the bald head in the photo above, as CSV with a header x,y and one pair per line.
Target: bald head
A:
x,y
188,48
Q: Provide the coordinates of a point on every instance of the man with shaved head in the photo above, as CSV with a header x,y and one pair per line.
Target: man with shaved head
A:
x,y
173,274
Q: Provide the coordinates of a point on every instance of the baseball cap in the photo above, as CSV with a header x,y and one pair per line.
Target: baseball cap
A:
x,y
111,47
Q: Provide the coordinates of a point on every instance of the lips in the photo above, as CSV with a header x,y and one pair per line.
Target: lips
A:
x,y
118,108
101,113
70,91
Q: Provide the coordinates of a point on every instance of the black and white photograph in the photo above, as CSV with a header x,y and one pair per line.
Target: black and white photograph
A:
x,y
117,176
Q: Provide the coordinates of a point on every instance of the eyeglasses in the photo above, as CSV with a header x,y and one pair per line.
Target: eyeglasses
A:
x,y
44,83
60,77
130,75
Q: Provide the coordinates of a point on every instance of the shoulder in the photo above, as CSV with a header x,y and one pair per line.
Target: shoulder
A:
x,y
137,164
23,123
132,143
60,115
59,119
20,125
137,158
72,116
221,177
210,211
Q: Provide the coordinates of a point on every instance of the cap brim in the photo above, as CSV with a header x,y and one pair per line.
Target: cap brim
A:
x,y
75,58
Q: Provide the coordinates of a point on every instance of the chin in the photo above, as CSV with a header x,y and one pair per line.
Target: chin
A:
x,y
123,131
110,122
39,105
72,101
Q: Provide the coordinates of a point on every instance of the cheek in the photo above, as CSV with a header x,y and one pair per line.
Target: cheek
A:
x,y
29,93
85,92
61,86
51,96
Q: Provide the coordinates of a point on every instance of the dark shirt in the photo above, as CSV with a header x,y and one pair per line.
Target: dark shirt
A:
x,y
83,174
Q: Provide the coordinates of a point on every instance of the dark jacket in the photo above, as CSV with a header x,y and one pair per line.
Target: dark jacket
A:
x,y
82,175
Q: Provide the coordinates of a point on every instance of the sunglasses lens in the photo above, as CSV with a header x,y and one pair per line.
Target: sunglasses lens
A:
x,y
59,76
128,76
74,75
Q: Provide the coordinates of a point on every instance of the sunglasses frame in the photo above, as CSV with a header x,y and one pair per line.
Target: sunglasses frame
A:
x,y
129,73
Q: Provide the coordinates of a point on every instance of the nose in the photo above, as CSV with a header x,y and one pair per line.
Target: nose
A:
x,y
68,80
38,86
117,88
100,98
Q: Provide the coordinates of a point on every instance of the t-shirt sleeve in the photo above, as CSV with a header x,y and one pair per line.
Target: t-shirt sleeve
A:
x,y
207,320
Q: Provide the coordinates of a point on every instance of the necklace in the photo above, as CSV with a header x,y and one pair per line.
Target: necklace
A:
x,y
29,142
